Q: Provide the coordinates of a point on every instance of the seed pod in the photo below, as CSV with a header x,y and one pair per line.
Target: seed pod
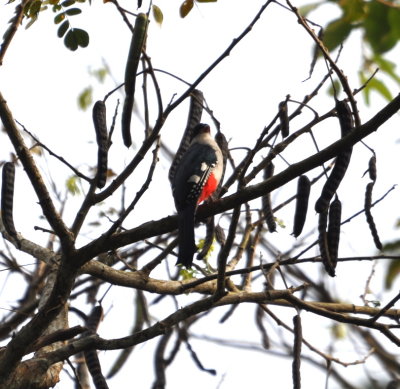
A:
x,y
372,168
303,194
91,358
283,118
7,198
94,318
342,160
94,367
333,181
345,117
220,235
100,126
368,215
266,201
135,50
323,243
194,117
335,216
298,339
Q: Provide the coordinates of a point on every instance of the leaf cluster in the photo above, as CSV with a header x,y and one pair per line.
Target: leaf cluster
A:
x,y
64,10
379,22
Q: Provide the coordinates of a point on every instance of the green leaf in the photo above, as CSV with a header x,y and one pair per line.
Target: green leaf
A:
x,y
75,38
100,74
59,18
393,247
387,67
374,85
306,9
392,273
353,10
85,98
365,91
200,245
339,331
336,32
73,11
280,222
31,21
34,9
185,8
26,7
70,40
394,21
67,3
378,32
187,274
63,29
83,37
334,89
157,14
72,185
381,88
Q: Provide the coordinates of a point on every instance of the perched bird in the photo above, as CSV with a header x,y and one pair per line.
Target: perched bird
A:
x,y
196,178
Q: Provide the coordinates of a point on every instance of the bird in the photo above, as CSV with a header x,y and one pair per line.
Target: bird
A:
x,y
197,176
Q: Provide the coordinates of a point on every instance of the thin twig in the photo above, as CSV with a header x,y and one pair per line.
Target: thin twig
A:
x,y
52,153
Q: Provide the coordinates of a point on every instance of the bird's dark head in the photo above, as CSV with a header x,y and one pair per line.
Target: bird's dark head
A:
x,y
201,128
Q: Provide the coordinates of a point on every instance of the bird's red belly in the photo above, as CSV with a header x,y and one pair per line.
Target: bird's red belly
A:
x,y
208,188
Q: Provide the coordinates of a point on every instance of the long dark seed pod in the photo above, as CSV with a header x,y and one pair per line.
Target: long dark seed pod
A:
x,y
342,160
100,126
194,117
7,198
94,367
323,243
298,339
266,201
94,318
283,118
91,357
335,217
372,168
303,194
135,50
345,117
368,215
220,235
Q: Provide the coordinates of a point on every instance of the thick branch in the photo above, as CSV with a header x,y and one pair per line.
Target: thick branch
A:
x,y
163,326
19,344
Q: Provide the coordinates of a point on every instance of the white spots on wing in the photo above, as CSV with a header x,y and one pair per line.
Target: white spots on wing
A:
x,y
203,167
195,178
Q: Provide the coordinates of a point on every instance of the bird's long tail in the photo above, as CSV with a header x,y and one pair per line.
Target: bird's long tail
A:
x,y
186,243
